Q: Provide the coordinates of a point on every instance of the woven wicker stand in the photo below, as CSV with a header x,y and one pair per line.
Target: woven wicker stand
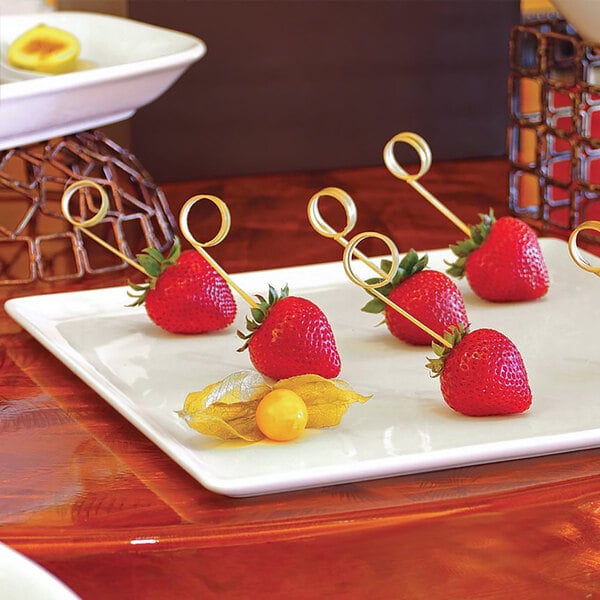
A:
x,y
37,243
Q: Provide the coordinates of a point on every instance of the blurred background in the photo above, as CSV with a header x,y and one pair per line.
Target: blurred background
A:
x,y
294,85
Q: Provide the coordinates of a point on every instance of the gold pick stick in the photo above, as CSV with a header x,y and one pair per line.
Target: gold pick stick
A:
x,y
574,251
218,238
424,152
350,250
321,226
83,225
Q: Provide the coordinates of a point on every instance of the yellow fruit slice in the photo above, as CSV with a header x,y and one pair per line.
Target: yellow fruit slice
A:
x,y
45,49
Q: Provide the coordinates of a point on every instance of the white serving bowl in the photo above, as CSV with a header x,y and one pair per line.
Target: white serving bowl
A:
x,y
131,64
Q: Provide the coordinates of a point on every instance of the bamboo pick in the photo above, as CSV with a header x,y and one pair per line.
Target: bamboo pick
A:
x,y
574,251
219,237
349,251
321,226
424,152
97,218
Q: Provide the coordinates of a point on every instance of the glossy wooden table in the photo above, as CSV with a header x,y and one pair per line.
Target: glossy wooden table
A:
x,y
92,500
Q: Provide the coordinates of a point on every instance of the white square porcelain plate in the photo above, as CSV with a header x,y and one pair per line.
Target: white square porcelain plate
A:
x,y
125,64
146,373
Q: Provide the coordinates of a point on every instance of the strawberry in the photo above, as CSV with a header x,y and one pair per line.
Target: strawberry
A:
x,y
184,294
428,295
290,336
502,260
482,374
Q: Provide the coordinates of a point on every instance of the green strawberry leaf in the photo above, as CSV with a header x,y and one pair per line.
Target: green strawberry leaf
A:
x,y
457,268
175,252
272,295
155,254
410,264
152,268
463,248
385,265
139,293
453,335
421,263
374,306
154,264
259,313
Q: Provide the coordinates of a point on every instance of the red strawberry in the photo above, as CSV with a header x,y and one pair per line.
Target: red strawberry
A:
x,y
483,374
290,336
429,296
502,260
184,293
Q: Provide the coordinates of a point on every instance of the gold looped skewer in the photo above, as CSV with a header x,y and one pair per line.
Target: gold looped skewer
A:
x,y
350,250
321,226
218,238
97,218
574,251
424,153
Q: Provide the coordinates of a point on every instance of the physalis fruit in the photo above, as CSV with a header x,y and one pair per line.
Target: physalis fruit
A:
x,y
244,406
281,415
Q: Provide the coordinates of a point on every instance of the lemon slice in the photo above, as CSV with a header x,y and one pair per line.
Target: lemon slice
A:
x,y
45,49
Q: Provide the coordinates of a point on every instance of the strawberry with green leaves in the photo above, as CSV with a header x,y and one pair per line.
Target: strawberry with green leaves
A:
x,y
483,374
290,336
502,260
184,294
428,295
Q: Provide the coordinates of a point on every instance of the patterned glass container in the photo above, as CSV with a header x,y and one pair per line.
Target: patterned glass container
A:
x,y
554,126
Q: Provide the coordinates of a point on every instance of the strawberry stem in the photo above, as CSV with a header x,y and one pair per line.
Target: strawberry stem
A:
x,y
259,313
463,249
453,335
154,265
408,266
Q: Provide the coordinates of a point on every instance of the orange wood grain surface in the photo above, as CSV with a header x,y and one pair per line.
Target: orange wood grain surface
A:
x,y
91,499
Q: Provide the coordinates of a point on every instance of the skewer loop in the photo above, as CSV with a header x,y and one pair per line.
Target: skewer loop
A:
x,y
321,226
424,153
419,145
94,220
574,250
218,238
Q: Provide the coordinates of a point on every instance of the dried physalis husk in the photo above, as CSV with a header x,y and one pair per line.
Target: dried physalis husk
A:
x,y
327,400
227,409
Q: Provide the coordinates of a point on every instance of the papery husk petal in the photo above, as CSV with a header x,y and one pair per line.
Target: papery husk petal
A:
x,y
226,421
327,400
241,386
227,408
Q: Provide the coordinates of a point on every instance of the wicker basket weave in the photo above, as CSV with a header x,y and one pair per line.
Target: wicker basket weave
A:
x,y
37,243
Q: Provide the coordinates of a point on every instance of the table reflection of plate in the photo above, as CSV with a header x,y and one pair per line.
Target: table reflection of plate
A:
x,y
23,579
146,373
124,64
